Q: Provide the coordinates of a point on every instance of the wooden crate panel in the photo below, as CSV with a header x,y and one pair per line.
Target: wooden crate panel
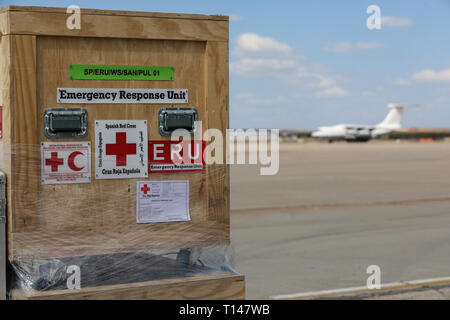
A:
x,y
103,213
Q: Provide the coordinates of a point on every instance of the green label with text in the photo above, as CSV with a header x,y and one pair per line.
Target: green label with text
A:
x,y
109,72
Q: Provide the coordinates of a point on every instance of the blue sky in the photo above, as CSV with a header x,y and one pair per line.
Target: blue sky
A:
x,y
301,64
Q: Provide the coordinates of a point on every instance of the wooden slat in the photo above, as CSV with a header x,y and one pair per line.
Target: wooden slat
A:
x,y
118,13
109,26
4,23
25,148
217,105
5,102
205,287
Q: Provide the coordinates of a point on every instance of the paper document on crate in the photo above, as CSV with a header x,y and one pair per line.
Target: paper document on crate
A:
x,y
162,201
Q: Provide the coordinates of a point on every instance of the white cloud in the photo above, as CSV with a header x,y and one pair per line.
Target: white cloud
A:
x,y
432,76
346,47
402,82
263,56
368,45
316,80
256,66
254,44
426,75
262,100
339,47
332,92
324,82
235,17
288,70
442,99
388,21
368,93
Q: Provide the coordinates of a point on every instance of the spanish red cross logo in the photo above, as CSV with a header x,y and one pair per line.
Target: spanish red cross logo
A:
x,y
145,189
120,149
54,161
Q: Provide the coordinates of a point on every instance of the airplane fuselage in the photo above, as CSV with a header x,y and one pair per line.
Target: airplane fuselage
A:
x,y
350,132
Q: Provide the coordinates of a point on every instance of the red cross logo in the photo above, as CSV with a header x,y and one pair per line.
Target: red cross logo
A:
x,y
120,149
54,161
145,189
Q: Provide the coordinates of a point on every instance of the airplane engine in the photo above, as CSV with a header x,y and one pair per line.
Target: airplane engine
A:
x,y
358,134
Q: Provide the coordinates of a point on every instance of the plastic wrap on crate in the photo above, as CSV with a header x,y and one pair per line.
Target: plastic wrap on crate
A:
x,y
89,230
29,276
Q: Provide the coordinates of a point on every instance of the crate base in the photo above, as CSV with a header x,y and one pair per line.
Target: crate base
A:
x,y
227,286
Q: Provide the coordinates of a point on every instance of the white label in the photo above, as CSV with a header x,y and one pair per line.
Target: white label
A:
x,y
162,201
104,95
121,149
169,167
65,162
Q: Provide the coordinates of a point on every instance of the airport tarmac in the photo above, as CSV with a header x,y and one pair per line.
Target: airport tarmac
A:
x,y
334,209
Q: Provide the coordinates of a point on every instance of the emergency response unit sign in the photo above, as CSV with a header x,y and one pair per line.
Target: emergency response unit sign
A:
x,y
162,201
121,96
64,162
121,149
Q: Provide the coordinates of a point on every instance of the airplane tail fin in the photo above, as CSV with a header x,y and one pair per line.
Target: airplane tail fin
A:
x,y
394,117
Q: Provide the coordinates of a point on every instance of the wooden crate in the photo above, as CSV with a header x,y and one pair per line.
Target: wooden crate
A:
x,y
65,220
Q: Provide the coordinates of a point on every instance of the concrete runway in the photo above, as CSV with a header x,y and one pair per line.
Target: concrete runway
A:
x,y
334,209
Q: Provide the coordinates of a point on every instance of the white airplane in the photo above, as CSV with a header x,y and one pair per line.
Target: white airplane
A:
x,y
351,132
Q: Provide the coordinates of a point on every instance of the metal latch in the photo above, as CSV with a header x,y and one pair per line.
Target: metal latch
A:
x,y
65,123
171,119
2,198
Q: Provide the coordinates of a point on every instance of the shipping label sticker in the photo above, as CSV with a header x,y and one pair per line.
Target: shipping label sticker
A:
x,y
114,72
65,162
121,149
162,201
176,156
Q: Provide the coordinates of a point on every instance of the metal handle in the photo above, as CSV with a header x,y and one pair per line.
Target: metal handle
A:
x,y
171,119
65,123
